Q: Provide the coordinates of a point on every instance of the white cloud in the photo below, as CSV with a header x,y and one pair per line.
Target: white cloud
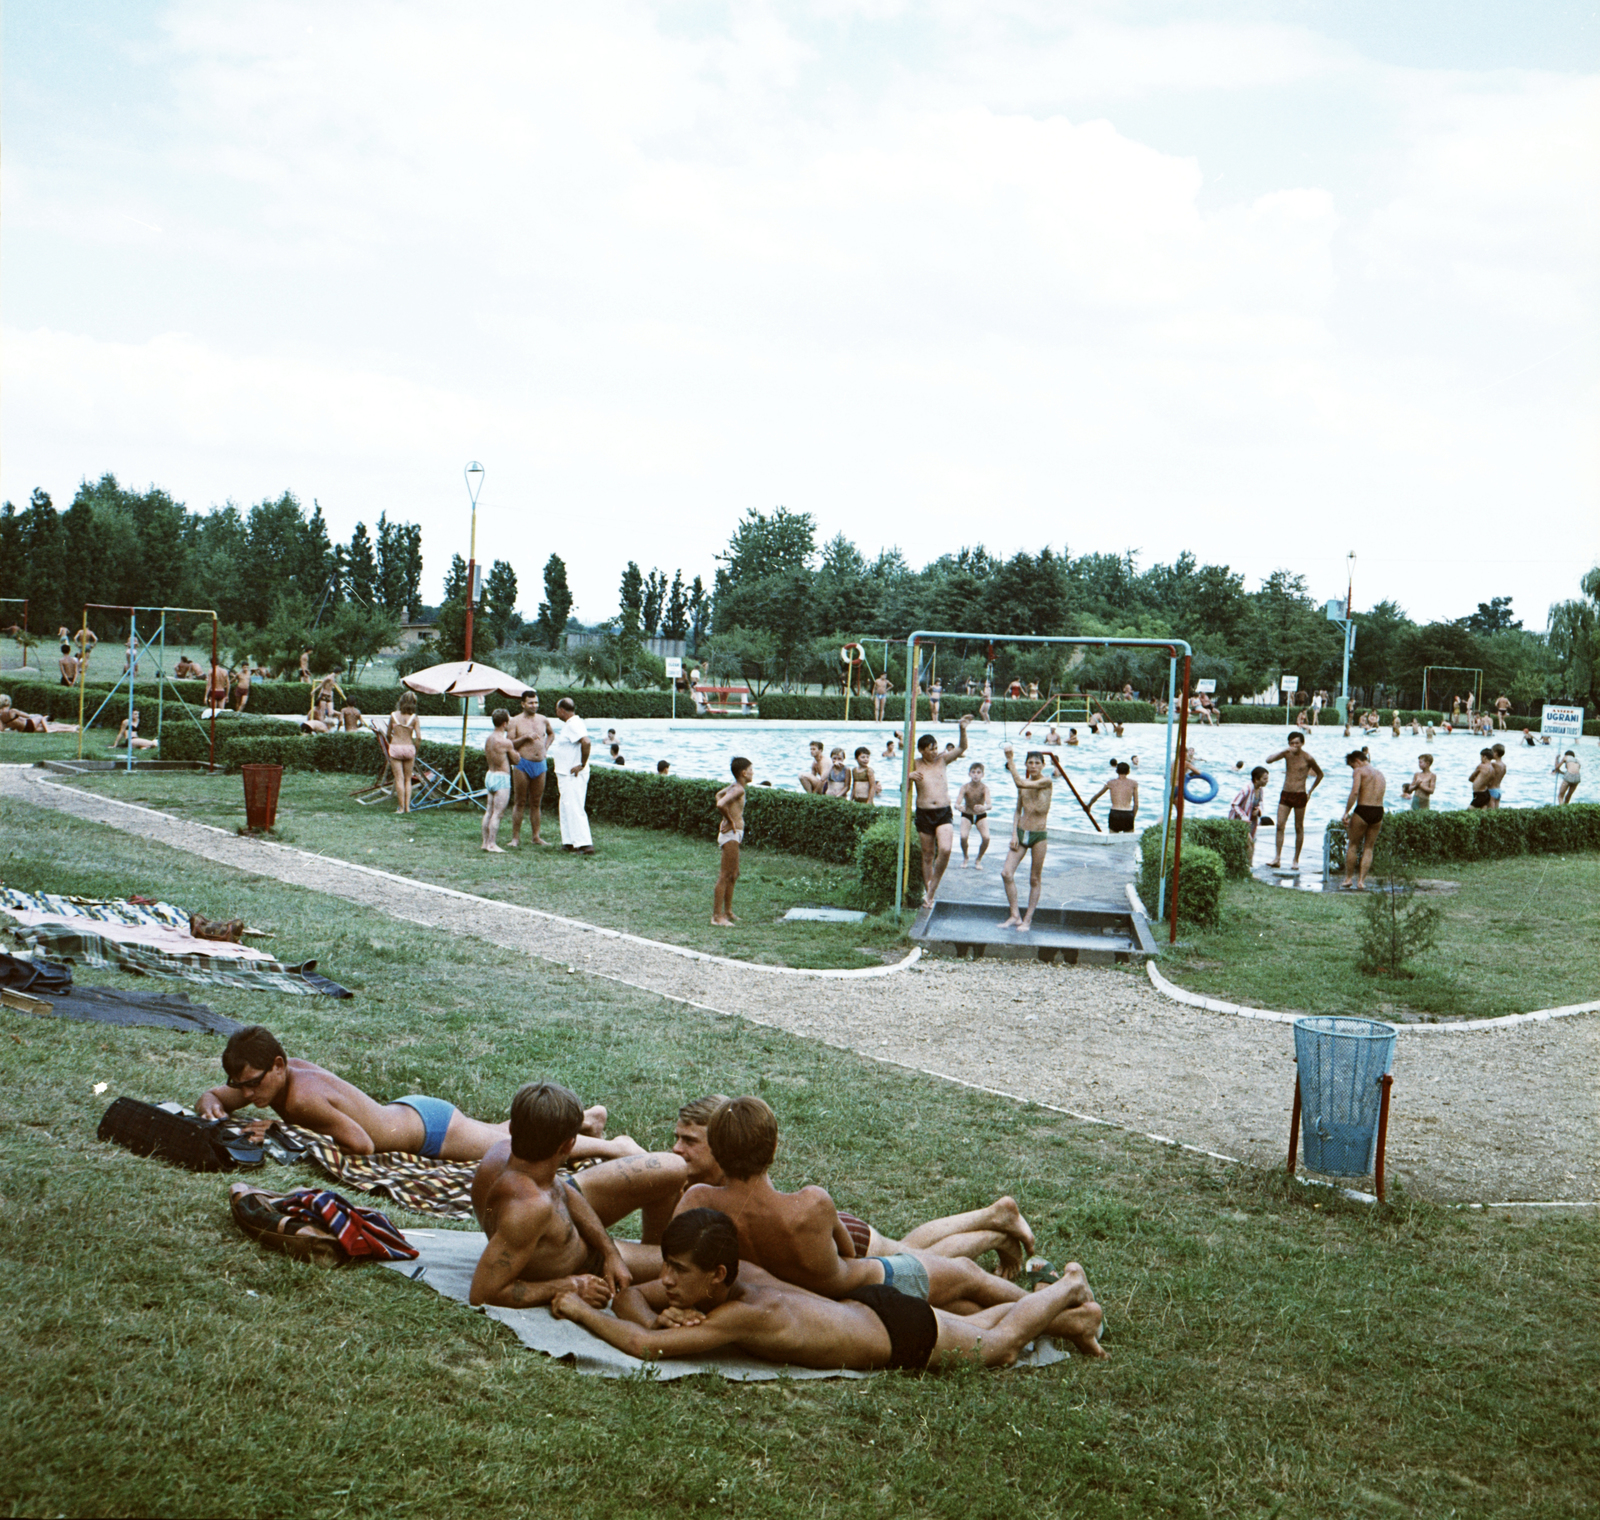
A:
x,y
653,275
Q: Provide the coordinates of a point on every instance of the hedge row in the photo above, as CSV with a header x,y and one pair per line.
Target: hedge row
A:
x,y
830,709
1229,837
1440,838
1200,877
876,859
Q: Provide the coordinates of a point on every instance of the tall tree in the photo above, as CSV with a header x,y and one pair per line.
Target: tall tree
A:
x,y
699,613
675,623
630,596
500,601
1575,640
1493,616
399,554
361,567
655,592
556,608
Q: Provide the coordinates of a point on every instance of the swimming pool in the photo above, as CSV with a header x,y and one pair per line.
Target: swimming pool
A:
x,y
779,751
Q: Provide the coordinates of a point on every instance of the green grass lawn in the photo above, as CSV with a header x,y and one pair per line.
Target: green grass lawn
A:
x,y
643,881
1276,1350
1518,934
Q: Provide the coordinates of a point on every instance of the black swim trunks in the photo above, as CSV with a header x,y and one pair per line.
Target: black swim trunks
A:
x,y
1121,821
913,1328
1480,799
929,819
975,817
1369,813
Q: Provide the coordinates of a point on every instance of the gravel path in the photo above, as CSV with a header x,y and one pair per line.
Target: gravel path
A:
x,y
1507,1114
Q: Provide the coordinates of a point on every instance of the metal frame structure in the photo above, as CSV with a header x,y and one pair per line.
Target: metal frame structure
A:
x,y
162,678
1177,706
23,625
1477,690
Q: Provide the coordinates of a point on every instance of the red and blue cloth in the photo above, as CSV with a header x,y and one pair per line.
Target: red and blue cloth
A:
x,y
361,1232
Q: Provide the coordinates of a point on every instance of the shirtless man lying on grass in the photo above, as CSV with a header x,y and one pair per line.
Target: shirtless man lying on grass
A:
x,y
999,1228
797,1236
260,1073
706,1299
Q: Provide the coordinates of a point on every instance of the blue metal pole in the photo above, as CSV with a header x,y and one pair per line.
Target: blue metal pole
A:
x,y
1166,788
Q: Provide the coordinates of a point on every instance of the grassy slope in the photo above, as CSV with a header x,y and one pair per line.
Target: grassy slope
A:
x,y
643,881
1519,934
1277,1351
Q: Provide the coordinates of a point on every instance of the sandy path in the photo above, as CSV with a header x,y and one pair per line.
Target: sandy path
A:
x,y
1480,1117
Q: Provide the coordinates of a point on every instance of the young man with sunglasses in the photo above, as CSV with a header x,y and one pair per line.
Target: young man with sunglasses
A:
x,y
303,1093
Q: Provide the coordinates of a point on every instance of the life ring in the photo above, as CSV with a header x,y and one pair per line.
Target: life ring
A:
x,y
846,658
1205,778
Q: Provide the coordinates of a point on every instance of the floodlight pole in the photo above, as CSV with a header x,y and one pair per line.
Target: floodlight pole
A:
x,y
474,478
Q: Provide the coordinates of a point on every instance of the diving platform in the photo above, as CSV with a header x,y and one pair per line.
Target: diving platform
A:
x,y
1084,916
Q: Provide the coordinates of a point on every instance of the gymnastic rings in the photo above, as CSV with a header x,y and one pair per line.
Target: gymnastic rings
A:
x,y
1206,780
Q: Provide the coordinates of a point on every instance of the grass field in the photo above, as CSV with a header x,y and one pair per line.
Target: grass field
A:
x,y
643,881
1276,1350
1518,934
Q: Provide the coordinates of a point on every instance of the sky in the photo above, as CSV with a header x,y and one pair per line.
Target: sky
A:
x,y
1269,281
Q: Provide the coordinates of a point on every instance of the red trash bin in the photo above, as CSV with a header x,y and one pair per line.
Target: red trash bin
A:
x,y
261,783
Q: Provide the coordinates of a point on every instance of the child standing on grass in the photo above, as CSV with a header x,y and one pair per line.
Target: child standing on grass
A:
x,y
498,750
730,803
1247,805
405,734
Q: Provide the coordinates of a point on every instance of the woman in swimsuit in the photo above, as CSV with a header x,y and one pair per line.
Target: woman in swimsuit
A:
x,y
405,734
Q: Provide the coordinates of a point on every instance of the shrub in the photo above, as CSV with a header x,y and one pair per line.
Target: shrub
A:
x,y
876,857
1229,837
1005,710
1200,877
1395,926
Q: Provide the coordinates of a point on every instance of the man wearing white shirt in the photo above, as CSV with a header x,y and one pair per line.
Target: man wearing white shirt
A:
x,y
569,759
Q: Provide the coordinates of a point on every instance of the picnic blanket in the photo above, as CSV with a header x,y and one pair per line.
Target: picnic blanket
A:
x,y
446,1260
107,1005
150,939
420,1183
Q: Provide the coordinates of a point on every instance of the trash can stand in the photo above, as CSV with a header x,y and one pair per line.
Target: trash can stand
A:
x,y
1350,1065
261,783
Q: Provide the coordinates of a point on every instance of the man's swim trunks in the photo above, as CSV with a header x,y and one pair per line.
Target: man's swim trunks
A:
x,y
1028,838
531,768
1121,821
730,836
435,1114
1480,799
912,1326
860,1232
1419,802
906,1273
1369,813
929,820
497,781
1494,792
975,817
1292,799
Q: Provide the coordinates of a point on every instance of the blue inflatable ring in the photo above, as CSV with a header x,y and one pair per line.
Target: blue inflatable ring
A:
x,y
1204,779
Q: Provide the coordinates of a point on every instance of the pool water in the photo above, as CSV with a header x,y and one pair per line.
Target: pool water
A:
x,y
779,751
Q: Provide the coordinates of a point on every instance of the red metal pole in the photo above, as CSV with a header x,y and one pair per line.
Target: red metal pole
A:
x,y
471,566
1383,1133
1183,759
1294,1126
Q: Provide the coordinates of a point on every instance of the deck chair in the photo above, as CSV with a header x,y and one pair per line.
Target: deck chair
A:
x,y
382,787
427,782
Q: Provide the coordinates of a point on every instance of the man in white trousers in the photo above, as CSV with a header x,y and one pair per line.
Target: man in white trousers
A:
x,y
569,759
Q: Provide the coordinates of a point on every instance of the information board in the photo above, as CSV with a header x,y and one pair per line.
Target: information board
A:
x,y
1561,722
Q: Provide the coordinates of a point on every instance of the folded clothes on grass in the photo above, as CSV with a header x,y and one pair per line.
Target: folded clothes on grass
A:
x,y
446,1260
150,939
314,1223
107,1005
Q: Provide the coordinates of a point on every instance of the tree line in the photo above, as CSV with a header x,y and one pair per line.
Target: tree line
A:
x,y
783,606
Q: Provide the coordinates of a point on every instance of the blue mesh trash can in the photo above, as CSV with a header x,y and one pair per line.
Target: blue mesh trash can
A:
x,y
1341,1091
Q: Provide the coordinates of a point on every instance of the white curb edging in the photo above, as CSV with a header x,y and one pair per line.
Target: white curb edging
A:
x,y
1465,1026
865,973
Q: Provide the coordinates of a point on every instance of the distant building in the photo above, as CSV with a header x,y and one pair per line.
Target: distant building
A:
x,y
661,648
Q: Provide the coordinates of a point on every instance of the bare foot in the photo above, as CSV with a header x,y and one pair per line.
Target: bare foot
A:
x,y
1272,865
493,849
1012,923
1081,1326
594,1122
1026,924
1011,1256
547,843
513,843
977,865
722,923
1008,1217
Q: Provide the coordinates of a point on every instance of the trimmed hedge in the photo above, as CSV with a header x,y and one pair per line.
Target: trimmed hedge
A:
x,y
1442,838
876,858
1229,837
1200,877
1010,710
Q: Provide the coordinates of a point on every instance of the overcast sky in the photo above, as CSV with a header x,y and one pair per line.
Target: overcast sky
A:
x,y
1264,281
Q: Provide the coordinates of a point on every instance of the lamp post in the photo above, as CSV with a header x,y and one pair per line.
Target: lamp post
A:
x,y
1340,613
474,474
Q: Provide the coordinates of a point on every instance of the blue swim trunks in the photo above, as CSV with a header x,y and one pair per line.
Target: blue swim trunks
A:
x,y
905,1274
435,1114
531,768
